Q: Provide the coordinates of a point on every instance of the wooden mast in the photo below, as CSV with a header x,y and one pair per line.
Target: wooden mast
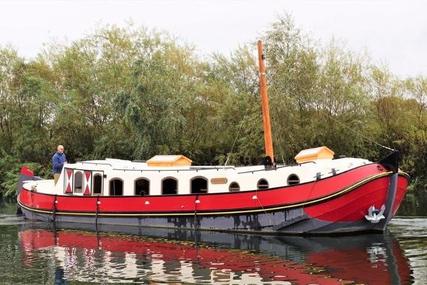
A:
x,y
268,142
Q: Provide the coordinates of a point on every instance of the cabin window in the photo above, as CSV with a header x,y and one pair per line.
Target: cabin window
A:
x,y
142,187
97,184
116,187
78,182
293,179
169,186
234,187
199,185
262,184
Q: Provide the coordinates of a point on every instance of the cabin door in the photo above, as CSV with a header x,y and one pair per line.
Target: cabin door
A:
x,y
97,183
87,185
68,180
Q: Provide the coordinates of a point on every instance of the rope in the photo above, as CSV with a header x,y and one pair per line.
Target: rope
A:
x,y
361,135
97,211
262,207
54,209
234,143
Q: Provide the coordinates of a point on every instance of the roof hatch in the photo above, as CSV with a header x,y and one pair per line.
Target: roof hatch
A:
x,y
169,160
313,154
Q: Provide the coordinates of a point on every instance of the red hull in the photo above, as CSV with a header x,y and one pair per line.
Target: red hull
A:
x,y
344,198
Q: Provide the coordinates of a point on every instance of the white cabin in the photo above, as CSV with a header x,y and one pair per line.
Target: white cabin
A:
x,y
161,176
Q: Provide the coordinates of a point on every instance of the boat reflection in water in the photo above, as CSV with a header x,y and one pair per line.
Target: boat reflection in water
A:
x,y
222,258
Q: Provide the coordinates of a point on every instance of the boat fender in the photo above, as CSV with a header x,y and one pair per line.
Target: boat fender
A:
x,y
34,188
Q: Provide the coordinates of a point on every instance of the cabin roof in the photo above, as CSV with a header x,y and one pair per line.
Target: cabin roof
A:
x,y
169,160
312,154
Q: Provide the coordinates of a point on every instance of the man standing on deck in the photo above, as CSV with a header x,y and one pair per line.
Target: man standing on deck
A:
x,y
58,161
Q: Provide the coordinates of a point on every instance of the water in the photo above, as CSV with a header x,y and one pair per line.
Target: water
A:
x,y
38,253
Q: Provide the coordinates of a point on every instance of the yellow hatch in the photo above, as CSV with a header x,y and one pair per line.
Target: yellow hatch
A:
x,y
169,160
313,154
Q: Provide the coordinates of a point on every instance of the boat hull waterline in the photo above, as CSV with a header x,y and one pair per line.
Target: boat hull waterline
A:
x,y
334,205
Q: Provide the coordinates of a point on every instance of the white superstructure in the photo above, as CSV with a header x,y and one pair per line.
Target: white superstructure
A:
x,y
128,178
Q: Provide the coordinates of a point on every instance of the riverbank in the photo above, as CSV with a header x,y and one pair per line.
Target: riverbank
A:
x,y
108,95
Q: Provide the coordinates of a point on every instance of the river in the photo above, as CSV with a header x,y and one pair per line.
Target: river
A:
x,y
39,253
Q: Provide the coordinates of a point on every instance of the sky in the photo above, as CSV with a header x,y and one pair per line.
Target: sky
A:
x,y
392,32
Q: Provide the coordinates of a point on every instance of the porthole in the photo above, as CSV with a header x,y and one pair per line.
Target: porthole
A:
x,y
234,187
293,179
262,184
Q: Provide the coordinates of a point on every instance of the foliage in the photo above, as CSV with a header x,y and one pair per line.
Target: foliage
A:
x,y
9,168
131,93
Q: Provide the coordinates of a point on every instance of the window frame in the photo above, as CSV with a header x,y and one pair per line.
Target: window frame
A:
x,y
229,187
266,183
109,186
293,183
134,186
171,178
93,183
202,178
76,172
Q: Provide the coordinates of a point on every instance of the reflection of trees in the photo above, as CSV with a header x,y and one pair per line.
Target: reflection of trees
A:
x,y
415,202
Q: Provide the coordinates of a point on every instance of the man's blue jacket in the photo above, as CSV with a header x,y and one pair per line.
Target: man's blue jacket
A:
x,y
58,160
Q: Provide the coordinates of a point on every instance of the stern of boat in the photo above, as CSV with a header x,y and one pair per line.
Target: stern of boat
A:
x,y
25,175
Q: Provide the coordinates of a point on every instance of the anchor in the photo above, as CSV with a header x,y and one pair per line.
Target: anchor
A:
x,y
375,215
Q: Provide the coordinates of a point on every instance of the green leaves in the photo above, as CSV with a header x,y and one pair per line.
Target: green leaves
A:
x,y
131,93
9,169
